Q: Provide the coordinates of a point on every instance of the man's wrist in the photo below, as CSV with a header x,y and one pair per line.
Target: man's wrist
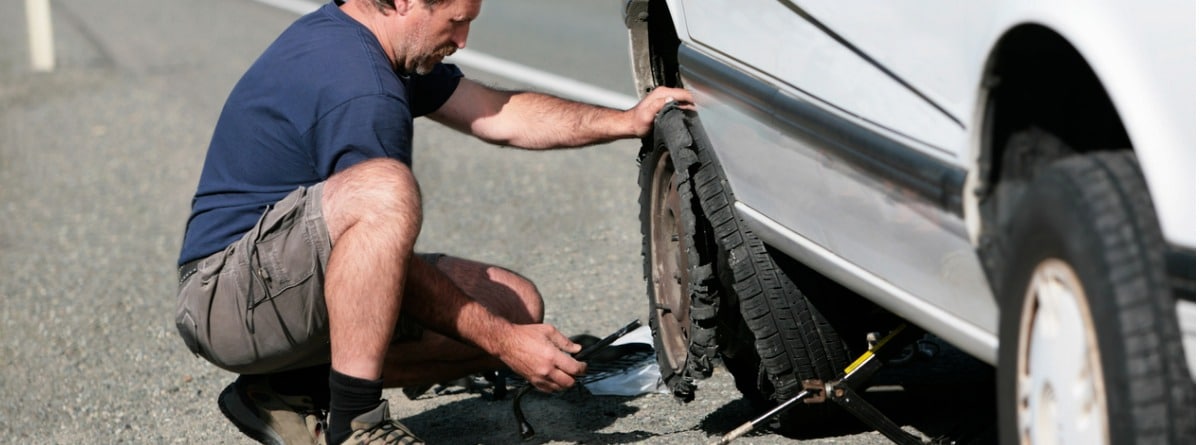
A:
x,y
492,336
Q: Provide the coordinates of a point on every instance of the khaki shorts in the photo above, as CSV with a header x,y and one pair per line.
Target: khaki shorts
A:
x,y
259,305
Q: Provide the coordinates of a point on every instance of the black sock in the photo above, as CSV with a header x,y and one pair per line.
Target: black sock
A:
x,y
348,398
312,382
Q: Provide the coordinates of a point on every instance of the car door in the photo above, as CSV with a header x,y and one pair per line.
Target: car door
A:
x,y
839,159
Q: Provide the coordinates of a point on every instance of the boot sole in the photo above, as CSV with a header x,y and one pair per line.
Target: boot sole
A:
x,y
235,408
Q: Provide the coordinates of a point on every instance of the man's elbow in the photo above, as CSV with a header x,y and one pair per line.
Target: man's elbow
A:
x,y
495,136
510,136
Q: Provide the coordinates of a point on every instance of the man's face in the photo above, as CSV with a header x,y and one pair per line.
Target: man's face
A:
x,y
436,33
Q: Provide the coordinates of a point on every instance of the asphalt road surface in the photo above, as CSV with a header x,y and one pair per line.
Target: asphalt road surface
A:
x,y
98,162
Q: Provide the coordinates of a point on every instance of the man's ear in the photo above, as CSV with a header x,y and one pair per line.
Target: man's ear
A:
x,y
404,6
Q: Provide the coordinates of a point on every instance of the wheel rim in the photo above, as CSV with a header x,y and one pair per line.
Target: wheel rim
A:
x,y
669,271
1060,385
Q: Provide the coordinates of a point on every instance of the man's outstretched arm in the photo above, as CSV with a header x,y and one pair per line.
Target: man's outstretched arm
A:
x,y
540,121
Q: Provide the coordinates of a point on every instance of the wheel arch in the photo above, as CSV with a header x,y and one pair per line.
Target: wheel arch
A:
x,y
1034,80
654,43
1035,77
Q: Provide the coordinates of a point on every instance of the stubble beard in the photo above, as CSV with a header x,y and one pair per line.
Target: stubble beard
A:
x,y
424,65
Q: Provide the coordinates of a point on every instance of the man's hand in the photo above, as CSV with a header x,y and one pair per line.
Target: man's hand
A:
x,y
541,354
644,112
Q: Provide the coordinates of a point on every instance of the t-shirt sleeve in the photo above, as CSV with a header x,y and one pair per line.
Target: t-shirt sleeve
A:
x,y
363,128
430,91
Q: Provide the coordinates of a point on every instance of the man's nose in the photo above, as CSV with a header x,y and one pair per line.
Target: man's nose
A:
x,y
460,37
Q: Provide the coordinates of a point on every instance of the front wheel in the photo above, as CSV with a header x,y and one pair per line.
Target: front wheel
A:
x,y
714,287
1090,345
678,266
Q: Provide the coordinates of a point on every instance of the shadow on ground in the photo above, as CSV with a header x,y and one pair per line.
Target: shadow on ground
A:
x,y
573,417
950,399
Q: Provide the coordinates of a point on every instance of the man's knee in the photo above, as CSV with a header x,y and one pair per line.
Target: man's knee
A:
x,y
532,307
376,190
503,291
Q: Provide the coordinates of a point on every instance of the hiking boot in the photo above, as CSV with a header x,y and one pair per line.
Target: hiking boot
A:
x,y
377,427
269,417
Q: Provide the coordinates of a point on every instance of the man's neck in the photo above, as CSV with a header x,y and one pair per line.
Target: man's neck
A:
x,y
366,13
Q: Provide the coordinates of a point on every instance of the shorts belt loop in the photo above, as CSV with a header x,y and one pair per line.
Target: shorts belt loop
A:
x,y
188,269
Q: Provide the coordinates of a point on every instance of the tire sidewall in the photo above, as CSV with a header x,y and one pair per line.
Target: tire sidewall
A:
x,y
1055,220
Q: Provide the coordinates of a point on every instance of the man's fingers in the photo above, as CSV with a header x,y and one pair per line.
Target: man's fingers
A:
x,y
563,379
563,343
679,95
555,382
573,367
662,96
569,365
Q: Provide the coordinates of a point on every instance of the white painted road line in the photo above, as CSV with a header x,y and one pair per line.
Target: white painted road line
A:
x,y
41,35
545,81
299,7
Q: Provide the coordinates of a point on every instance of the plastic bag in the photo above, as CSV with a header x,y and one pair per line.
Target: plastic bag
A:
x,y
636,376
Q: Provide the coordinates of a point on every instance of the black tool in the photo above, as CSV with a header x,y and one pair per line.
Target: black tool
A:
x,y
524,428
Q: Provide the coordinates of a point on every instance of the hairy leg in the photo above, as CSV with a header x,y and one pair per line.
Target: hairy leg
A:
x,y
438,358
373,212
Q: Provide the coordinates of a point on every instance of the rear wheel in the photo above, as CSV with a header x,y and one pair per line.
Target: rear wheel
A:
x,y
1090,345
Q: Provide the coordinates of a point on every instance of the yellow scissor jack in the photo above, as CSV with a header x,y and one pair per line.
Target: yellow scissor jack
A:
x,y
841,391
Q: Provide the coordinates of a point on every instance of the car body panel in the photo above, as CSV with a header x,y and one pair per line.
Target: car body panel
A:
x,y
782,44
849,131
940,47
970,337
770,156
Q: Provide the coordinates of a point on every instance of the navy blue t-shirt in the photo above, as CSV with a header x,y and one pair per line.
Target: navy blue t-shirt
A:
x,y
321,98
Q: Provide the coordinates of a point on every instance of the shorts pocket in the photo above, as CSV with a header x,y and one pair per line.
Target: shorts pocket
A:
x,y
283,255
188,331
285,260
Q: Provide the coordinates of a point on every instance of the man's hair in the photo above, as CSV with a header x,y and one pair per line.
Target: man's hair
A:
x,y
387,5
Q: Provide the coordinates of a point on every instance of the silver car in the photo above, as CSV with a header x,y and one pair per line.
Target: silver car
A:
x,y
1016,178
